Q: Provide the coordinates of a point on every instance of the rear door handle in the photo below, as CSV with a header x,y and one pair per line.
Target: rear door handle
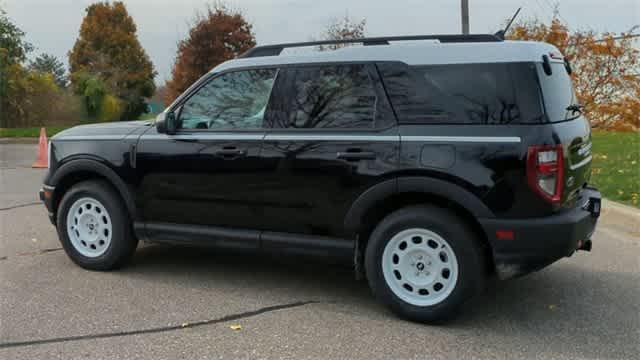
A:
x,y
356,155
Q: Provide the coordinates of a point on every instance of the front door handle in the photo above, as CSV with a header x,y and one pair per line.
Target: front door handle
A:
x,y
231,153
356,155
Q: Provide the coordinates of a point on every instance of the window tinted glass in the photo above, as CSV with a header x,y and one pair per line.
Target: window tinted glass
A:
x,y
339,96
465,93
557,90
235,100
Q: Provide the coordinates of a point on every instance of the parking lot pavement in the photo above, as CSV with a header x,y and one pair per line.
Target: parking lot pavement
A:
x,y
182,302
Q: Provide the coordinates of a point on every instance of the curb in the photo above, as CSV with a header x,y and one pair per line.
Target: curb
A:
x,y
18,140
621,209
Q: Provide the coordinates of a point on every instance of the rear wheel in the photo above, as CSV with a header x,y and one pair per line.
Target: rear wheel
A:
x,y
94,227
424,262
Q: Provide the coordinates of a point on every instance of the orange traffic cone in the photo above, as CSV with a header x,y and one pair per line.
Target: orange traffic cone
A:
x,y
43,155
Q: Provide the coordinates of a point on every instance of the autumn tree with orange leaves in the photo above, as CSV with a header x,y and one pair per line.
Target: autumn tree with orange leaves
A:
x,y
217,35
606,71
108,65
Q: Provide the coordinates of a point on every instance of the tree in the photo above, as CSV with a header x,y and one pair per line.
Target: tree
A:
x,y
158,99
217,35
606,70
108,48
14,47
29,97
49,64
13,51
343,29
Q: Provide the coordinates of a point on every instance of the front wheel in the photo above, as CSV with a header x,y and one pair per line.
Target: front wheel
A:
x,y
424,262
94,226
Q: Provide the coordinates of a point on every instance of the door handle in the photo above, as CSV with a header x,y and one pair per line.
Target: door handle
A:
x,y
356,155
230,153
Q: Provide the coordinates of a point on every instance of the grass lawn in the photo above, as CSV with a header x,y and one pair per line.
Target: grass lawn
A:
x,y
616,166
29,132
51,130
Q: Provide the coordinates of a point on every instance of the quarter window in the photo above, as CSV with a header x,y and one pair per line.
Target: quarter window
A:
x,y
498,93
236,100
558,92
327,97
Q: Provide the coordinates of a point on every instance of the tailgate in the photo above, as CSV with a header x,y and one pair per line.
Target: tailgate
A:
x,y
575,136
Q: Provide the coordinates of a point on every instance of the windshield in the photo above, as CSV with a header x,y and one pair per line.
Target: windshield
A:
x,y
557,91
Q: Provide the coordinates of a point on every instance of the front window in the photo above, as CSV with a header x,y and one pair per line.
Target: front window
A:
x,y
230,101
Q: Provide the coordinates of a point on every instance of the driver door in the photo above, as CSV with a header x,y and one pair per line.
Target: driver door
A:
x,y
209,172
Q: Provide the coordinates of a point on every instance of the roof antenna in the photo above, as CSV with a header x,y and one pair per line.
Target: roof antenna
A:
x,y
500,34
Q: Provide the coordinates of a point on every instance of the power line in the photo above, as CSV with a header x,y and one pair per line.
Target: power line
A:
x,y
621,37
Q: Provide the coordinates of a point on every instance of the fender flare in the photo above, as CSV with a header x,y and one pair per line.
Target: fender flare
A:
x,y
94,166
413,184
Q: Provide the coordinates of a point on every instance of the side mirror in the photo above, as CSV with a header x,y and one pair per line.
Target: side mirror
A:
x,y
166,123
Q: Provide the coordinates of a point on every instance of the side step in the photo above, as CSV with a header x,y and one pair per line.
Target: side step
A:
x,y
243,239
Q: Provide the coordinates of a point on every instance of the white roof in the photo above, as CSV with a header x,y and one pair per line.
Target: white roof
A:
x,y
414,53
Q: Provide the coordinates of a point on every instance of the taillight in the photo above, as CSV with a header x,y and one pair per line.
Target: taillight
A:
x,y
545,171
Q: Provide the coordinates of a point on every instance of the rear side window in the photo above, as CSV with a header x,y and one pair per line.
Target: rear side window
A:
x,y
558,92
497,93
327,97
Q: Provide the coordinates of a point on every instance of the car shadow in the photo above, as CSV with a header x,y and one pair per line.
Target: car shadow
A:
x,y
552,307
565,308
301,277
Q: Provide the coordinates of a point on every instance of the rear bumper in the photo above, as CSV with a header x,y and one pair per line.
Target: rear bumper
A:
x,y
539,242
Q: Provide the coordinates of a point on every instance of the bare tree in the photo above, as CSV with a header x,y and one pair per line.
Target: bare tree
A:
x,y
342,29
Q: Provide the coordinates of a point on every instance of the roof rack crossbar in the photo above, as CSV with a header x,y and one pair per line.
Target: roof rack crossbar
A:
x,y
276,49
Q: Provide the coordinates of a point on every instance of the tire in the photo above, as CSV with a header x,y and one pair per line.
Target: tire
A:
x,y
94,226
439,248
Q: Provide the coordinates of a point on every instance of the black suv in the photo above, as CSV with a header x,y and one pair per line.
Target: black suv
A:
x,y
428,166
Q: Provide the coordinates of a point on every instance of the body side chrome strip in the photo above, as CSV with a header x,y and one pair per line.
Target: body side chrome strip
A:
x,y
90,137
474,139
205,137
308,137
323,137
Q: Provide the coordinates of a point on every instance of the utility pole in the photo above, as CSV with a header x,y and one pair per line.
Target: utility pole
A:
x,y
465,16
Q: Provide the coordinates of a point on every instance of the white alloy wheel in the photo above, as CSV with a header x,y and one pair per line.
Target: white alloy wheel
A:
x,y
420,267
89,227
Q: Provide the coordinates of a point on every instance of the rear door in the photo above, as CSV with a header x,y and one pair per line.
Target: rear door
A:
x,y
332,135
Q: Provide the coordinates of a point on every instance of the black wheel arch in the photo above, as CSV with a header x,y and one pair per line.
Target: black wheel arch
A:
x,y
426,187
79,170
390,195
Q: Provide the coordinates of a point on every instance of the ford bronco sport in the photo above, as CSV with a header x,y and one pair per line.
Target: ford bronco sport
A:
x,y
429,165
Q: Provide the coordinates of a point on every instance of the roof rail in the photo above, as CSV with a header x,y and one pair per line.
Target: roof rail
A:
x,y
276,49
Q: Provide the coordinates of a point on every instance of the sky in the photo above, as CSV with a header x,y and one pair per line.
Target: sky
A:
x,y
52,25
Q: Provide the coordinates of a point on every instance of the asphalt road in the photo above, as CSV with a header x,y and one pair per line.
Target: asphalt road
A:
x,y
182,303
